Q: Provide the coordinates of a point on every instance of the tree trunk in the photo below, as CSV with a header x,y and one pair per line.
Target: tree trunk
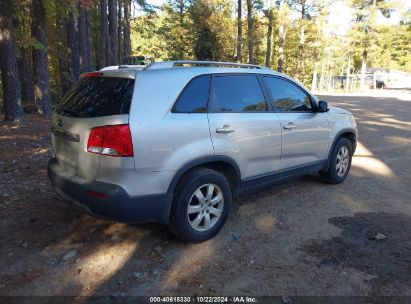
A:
x,y
8,65
126,29
269,36
104,46
239,30
112,27
82,35
250,27
24,66
72,43
119,33
42,92
328,71
363,70
321,84
26,76
181,51
347,81
89,40
314,81
281,45
300,54
63,59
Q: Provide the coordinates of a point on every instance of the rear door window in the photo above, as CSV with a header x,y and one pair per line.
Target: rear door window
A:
x,y
97,96
237,93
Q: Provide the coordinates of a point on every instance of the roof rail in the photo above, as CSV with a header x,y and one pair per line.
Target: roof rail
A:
x,y
182,63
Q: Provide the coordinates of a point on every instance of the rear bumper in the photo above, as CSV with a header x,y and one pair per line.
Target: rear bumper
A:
x,y
107,200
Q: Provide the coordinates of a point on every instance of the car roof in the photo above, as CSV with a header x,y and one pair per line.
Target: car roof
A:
x,y
192,69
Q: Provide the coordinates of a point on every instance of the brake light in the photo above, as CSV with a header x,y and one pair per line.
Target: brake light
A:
x,y
111,140
97,194
93,74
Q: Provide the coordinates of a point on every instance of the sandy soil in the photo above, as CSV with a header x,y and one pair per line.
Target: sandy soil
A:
x,y
300,238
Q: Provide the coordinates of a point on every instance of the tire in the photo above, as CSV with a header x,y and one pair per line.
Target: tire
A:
x,y
334,175
189,227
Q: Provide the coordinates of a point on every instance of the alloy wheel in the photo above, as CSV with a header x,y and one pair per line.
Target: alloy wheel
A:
x,y
343,160
205,207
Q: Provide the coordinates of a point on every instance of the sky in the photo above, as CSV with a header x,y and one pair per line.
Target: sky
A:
x,y
156,2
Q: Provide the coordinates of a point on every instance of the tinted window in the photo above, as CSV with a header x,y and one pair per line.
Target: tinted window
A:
x,y
194,97
237,93
287,96
98,96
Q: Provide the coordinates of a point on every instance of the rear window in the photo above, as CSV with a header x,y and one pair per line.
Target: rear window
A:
x,y
97,96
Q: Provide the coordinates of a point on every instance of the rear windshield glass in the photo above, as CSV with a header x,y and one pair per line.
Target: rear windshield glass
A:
x,y
97,96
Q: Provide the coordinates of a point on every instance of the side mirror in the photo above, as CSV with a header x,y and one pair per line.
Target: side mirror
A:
x,y
323,106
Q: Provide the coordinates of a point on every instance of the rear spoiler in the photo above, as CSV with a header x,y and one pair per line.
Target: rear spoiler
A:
x,y
125,66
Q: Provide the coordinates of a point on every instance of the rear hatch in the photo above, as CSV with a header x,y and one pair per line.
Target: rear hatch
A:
x,y
98,99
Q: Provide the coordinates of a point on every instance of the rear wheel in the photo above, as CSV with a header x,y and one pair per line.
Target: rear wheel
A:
x,y
201,205
340,162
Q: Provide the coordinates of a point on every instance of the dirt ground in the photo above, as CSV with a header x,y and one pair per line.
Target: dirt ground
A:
x,y
303,237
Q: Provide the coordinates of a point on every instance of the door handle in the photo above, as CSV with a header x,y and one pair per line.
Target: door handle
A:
x,y
225,130
290,126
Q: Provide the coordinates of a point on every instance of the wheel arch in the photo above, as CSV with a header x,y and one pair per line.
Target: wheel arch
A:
x,y
223,164
348,133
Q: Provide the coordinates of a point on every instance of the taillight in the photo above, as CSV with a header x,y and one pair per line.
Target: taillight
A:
x,y
111,140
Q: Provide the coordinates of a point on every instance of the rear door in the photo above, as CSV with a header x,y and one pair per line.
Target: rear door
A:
x,y
242,124
96,100
305,132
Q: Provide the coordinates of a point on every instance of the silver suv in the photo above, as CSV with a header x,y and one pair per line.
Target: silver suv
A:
x,y
174,142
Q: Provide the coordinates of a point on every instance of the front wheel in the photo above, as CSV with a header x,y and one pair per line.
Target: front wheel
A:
x,y
340,162
201,205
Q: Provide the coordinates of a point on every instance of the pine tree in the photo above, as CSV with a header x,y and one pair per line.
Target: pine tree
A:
x,y
269,13
23,40
42,91
175,30
104,58
112,26
250,31
8,65
89,39
82,34
126,30
283,14
239,30
206,44
63,58
120,32
72,44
